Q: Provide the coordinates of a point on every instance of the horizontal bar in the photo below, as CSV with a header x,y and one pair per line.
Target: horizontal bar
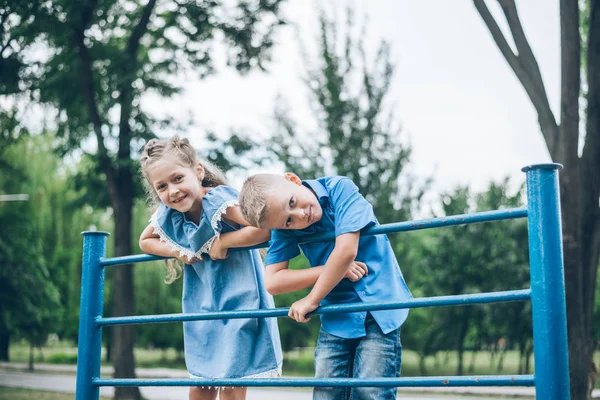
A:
x,y
430,381
137,258
461,219
455,300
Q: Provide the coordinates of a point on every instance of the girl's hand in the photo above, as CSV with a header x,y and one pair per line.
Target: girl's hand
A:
x,y
357,271
217,251
186,260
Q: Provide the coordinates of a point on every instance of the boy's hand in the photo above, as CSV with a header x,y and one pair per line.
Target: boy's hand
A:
x,y
299,309
357,271
217,251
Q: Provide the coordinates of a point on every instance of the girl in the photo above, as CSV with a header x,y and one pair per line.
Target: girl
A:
x,y
198,214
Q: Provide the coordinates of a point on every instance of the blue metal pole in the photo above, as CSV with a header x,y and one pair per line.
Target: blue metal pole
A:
x,y
90,308
547,283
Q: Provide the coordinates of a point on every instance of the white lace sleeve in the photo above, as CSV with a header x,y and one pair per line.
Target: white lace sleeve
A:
x,y
214,223
172,245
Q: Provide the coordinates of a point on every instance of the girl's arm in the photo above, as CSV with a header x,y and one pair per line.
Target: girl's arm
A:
x,y
247,236
150,243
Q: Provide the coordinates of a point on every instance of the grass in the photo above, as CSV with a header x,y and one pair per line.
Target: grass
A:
x,y
26,394
478,363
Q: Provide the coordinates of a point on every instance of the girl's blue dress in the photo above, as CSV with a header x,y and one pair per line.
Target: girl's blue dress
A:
x,y
234,348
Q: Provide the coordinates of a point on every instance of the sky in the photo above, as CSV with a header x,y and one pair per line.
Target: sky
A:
x,y
466,115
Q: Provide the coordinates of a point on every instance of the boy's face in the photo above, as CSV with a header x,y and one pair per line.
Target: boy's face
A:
x,y
291,205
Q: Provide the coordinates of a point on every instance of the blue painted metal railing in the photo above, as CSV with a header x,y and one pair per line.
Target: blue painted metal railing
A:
x,y
547,295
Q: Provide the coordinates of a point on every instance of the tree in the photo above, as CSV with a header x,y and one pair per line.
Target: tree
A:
x,y
92,61
30,301
356,136
578,151
468,259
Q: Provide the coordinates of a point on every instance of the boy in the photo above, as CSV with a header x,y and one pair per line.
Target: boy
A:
x,y
359,344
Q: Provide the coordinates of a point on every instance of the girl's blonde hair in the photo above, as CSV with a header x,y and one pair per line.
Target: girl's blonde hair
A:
x,y
155,150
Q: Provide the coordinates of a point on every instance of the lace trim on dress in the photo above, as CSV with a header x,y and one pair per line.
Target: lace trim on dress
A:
x,y
172,245
214,223
274,373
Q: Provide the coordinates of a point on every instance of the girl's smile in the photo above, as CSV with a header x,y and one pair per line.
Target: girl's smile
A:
x,y
177,186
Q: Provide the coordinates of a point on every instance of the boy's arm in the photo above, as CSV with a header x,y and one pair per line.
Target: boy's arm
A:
x,y
279,279
150,243
338,263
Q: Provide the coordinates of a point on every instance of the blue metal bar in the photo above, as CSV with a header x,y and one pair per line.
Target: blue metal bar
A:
x,y
435,381
138,258
407,226
461,219
456,300
90,307
547,283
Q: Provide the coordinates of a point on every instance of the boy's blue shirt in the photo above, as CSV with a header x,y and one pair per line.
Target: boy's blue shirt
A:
x,y
345,210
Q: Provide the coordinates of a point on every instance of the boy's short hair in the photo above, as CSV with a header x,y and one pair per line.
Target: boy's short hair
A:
x,y
253,197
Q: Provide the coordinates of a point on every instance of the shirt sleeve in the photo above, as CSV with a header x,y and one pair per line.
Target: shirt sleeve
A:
x,y
169,225
215,204
281,248
352,211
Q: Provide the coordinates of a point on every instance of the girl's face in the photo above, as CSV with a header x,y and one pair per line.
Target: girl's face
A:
x,y
177,186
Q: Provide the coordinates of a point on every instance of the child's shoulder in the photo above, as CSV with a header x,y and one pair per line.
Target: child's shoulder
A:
x,y
220,193
337,183
334,180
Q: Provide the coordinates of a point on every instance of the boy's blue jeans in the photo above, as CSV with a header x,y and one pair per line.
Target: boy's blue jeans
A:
x,y
373,356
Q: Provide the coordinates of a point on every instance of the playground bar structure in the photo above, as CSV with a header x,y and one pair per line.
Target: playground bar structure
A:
x,y
546,293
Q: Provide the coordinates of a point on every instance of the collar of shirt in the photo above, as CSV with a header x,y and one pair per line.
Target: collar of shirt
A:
x,y
317,187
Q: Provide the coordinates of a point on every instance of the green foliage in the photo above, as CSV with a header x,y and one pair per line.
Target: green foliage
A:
x,y
472,259
29,301
41,242
154,296
105,55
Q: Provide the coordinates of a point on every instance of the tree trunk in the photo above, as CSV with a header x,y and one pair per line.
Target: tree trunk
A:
x,y
591,166
123,337
422,367
472,364
4,345
500,365
528,359
108,345
579,181
461,341
522,355
30,366
580,354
